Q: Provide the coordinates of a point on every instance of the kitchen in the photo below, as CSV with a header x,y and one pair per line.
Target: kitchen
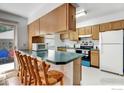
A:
x,y
57,31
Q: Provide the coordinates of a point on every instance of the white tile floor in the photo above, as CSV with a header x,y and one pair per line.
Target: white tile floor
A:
x,y
94,76
90,76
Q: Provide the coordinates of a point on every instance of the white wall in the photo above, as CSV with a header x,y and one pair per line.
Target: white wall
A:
x,y
7,35
21,34
98,20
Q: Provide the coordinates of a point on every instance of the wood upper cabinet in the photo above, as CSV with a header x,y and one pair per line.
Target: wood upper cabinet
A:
x,y
81,31
60,19
73,35
33,30
30,34
64,36
36,27
95,58
116,25
88,30
71,17
105,27
95,32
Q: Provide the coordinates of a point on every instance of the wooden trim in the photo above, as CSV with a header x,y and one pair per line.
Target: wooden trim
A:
x,y
94,66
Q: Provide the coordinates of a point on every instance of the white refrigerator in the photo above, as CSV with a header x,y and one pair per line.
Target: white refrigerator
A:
x,y
111,51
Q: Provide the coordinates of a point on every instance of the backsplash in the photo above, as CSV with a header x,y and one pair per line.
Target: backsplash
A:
x,y
56,42
83,41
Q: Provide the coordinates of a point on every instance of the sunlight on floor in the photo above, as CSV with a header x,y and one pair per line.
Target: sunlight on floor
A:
x,y
6,67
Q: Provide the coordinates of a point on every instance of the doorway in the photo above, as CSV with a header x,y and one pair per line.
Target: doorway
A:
x,y
7,43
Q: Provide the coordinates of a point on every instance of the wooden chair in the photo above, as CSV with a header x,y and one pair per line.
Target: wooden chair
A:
x,y
34,72
21,66
31,77
47,77
18,62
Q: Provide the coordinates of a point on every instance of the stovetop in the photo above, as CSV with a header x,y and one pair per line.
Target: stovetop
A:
x,y
86,47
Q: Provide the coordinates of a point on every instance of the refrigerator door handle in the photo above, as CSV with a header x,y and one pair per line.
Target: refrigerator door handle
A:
x,y
101,44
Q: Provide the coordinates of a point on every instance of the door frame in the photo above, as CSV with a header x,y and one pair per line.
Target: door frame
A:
x,y
15,25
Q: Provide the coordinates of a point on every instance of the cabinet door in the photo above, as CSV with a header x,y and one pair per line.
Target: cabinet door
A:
x,y
76,35
116,25
81,31
95,58
64,36
71,36
60,19
88,30
95,32
30,34
36,27
105,27
71,17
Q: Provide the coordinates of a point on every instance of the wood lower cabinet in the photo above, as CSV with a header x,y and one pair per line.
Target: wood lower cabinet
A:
x,y
95,58
95,32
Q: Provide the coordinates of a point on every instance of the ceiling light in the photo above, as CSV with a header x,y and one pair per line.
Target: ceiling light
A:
x,y
80,13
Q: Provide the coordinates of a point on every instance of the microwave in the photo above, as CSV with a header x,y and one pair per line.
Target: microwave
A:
x,y
39,46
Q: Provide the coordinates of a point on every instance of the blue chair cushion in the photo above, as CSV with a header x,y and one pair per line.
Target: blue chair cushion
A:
x,y
4,53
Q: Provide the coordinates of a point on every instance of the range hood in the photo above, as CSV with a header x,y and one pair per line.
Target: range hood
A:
x,y
85,35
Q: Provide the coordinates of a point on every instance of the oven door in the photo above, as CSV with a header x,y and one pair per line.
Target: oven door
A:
x,y
79,51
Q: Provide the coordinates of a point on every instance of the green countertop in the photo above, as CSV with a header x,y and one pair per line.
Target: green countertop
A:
x,y
55,57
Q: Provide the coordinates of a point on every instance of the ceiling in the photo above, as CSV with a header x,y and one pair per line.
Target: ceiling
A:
x,y
22,9
94,10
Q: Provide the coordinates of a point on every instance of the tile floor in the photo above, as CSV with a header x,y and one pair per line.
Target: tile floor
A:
x,y
90,76
94,76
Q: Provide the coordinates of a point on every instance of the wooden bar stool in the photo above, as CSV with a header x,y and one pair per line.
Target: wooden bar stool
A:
x,y
48,77
18,62
31,77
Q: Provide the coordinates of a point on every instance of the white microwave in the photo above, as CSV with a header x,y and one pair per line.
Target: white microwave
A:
x,y
39,46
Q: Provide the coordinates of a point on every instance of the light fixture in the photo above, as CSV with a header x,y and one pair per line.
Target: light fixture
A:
x,y
80,13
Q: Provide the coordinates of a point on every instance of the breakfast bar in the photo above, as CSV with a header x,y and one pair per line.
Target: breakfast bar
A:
x,y
66,62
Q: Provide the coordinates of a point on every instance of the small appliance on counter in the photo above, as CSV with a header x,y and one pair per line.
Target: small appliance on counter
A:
x,y
39,46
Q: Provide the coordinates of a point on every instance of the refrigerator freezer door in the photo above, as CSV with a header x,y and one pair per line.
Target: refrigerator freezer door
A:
x,y
111,58
112,37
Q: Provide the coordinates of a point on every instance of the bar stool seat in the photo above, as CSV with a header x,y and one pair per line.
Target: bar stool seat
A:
x,y
55,74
